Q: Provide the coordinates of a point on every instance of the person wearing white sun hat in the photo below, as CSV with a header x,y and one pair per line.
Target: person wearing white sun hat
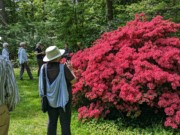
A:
x,y
59,78
52,53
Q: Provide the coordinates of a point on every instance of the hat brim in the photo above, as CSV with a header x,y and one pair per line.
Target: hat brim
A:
x,y
61,52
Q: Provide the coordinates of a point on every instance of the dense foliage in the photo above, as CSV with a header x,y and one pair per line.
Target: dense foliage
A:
x,y
133,65
72,21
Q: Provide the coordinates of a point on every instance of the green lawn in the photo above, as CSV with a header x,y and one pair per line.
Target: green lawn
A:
x,y
27,119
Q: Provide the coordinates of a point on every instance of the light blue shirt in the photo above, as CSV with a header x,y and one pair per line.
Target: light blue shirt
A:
x,y
22,56
57,92
8,88
5,53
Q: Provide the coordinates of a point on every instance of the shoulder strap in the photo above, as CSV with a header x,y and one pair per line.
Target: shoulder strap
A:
x,y
61,67
44,80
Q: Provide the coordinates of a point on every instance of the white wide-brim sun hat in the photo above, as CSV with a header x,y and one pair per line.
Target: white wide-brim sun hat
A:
x,y
52,53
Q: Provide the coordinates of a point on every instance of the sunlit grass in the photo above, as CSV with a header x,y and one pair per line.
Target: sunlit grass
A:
x,y
27,119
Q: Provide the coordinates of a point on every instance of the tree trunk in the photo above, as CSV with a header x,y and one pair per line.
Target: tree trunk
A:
x,y
75,14
44,11
3,16
109,4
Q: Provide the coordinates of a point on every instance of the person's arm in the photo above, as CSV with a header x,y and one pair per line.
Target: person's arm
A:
x,y
40,53
69,73
24,55
5,54
36,53
20,56
12,95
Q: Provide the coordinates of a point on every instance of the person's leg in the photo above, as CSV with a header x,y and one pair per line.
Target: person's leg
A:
x,y
53,118
4,120
28,70
65,120
21,71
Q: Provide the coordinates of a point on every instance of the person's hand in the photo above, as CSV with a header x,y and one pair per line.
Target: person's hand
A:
x,y
69,65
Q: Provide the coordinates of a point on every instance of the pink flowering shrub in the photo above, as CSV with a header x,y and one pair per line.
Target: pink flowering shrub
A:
x,y
135,64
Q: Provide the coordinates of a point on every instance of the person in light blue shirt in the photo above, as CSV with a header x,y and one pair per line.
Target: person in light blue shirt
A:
x,y
5,52
59,78
23,61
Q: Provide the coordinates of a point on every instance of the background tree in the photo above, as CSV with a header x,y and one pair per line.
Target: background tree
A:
x,y
3,16
72,21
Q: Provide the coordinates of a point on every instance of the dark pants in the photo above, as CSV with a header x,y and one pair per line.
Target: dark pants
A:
x,y
65,120
25,66
40,63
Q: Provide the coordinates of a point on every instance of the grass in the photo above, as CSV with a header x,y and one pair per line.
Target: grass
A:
x,y
27,119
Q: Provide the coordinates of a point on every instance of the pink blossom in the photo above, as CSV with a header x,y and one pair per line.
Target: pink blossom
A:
x,y
137,63
177,117
169,111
